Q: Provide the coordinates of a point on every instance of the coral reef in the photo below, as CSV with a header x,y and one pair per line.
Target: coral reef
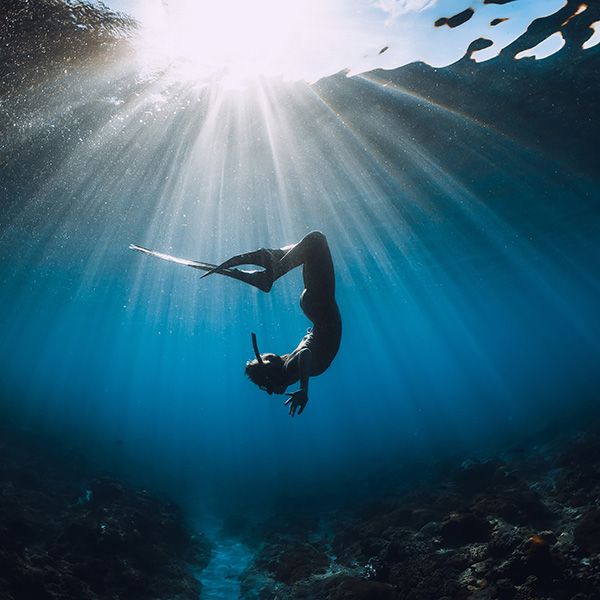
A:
x,y
524,525
67,533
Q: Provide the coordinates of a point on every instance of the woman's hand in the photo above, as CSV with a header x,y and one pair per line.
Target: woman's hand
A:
x,y
297,400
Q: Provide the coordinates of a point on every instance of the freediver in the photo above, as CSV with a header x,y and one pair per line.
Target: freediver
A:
x,y
270,372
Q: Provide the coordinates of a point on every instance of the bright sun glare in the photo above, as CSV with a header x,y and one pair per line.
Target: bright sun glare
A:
x,y
236,40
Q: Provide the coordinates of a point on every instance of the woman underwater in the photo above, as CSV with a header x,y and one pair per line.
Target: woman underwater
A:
x,y
271,372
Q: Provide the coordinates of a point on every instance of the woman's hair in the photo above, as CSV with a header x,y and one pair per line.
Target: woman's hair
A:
x,y
267,371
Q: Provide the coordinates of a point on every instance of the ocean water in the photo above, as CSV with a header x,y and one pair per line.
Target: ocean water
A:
x,y
462,208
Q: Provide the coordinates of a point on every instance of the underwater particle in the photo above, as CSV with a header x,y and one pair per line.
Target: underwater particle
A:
x,y
456,20
383,49
495,22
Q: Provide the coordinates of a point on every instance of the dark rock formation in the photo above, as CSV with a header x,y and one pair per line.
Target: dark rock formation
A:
x,y
502,528
67,534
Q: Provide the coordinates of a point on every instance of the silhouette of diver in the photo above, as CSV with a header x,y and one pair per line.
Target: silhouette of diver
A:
x,y
271,372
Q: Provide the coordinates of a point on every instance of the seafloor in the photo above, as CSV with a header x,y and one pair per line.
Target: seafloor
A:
x,y
522,523
67,530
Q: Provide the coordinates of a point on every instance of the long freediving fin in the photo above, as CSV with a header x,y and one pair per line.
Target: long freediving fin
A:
x,y
254,278
182,261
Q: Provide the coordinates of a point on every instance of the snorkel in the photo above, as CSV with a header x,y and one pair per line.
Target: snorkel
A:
x,y
255,346
267,372
268,388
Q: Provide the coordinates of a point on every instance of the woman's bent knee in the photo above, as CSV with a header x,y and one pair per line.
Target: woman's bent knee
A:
x,y
315,239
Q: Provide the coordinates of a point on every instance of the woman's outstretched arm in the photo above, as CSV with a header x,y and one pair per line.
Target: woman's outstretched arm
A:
x,y
299,398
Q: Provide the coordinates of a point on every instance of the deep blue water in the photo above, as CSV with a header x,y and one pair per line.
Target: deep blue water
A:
x,y
467,254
